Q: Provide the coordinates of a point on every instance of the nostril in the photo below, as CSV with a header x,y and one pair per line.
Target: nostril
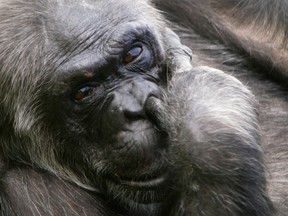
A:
x,y
138,111
134,115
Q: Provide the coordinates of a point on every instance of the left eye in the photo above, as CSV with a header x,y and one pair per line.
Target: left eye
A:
x,y
84,92
132,54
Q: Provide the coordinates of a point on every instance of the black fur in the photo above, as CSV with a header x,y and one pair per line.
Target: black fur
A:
x,y
83,132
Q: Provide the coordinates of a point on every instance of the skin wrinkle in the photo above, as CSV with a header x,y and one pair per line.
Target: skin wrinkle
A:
x,y
206,119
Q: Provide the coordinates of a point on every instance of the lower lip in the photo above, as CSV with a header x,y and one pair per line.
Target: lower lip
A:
x,y
150,183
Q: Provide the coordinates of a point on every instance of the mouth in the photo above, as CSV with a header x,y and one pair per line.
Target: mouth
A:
x,y
145,188
141,191
145,182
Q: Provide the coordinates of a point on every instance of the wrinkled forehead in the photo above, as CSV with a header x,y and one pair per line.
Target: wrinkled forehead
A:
x,y
80,18
79,30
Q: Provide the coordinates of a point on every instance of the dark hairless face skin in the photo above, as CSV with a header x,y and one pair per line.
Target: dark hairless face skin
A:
x,y
104,112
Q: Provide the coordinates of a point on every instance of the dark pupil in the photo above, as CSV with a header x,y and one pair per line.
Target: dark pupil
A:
x,y
83,92
132,54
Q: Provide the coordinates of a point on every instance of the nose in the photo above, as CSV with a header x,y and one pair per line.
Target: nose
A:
x,y
128,105
132,99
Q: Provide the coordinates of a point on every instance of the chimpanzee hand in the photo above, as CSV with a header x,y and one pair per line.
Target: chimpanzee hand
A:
x,y
178,56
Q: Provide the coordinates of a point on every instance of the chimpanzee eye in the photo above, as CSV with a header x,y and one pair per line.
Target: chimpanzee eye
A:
x,y
84,92
132,54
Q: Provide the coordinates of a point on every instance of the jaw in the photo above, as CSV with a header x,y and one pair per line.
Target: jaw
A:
x,y
145,184
132,165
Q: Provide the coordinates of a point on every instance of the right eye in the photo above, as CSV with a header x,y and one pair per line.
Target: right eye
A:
x,y
132,54
84,92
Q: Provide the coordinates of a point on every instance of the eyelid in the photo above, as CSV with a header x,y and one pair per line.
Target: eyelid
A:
x,y
132,54
89,86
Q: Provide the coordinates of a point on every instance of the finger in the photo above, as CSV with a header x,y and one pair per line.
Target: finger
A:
x,y
178,56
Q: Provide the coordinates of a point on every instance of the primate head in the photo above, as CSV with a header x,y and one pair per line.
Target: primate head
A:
x,y
87,95
76,78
